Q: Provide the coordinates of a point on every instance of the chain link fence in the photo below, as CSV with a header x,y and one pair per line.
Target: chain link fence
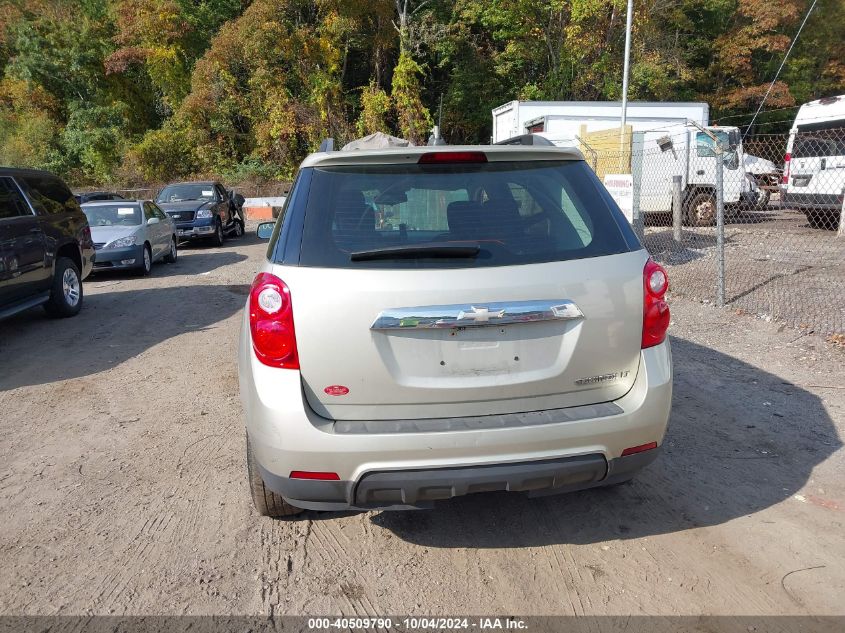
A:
x,y
765,236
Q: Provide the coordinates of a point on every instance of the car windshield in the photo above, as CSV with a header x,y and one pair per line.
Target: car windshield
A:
x,y
458,215
180,193
112,215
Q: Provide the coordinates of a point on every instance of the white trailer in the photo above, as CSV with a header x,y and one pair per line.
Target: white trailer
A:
x,y
561,121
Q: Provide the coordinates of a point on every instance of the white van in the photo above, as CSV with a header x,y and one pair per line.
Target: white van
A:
x,y
814,169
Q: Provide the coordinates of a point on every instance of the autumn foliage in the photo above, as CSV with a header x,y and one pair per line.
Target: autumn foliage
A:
x,y
134,90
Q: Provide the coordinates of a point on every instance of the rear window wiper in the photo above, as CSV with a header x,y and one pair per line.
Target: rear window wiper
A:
x,y
411,251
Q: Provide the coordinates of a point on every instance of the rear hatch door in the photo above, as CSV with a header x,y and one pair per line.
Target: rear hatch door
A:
x,y
537,306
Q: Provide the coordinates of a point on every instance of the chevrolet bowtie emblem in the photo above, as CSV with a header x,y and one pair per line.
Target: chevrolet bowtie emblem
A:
x,y
480,315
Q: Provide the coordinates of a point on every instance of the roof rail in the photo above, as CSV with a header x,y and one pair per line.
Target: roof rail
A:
x,y
526,139
327,145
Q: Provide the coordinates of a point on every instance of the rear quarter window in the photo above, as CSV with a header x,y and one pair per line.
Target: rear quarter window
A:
x,y
49,195
516,212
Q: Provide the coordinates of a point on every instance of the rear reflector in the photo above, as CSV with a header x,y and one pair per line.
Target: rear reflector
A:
x,y
434,158
305,474
639,449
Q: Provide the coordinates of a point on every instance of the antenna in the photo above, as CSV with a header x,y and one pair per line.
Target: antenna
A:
x,y
436,137
440,113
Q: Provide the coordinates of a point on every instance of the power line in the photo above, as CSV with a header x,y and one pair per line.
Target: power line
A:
x,y
777,74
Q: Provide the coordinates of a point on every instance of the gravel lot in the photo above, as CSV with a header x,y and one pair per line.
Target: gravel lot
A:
x,y
776,266
122,487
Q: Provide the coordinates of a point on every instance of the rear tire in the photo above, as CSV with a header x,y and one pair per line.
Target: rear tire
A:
x,y
701,209
66,291
239,228
622,482
171,257
267,502
823,220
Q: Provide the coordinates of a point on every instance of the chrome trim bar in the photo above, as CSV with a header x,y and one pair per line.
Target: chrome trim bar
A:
x,y
480,315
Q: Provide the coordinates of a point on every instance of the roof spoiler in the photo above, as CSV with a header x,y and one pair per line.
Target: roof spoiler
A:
x,y
327,145
527,139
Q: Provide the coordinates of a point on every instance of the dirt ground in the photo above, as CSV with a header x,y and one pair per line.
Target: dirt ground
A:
x,y
122,487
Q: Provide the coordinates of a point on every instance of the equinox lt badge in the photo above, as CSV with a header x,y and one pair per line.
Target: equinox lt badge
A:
x,y
593,380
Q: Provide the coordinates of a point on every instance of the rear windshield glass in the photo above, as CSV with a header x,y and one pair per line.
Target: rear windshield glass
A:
x,y
820,140
112,215
488,214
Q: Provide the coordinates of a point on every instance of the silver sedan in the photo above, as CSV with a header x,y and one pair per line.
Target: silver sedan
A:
x,y
131,235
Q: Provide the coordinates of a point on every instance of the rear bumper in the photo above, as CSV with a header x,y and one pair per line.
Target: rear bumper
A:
x,y
414,468
421,488
810,201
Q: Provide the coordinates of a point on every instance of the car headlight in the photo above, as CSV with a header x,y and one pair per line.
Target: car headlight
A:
x,y
204,213
122,242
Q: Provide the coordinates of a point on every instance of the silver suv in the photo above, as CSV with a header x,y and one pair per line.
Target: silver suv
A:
x,y
435,322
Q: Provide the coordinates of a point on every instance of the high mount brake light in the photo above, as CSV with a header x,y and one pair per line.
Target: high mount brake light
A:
x,y
655,309
271,322
435,158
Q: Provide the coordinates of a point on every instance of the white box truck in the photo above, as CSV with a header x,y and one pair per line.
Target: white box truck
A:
x,y
560,121
667,144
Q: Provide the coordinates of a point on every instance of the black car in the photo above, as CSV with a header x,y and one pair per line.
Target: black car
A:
x,y
96,196
46,248
203,210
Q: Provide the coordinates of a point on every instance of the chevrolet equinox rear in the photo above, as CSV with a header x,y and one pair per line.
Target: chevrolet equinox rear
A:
x,y
436,322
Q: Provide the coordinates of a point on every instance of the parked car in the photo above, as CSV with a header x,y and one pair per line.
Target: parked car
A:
x,y
131,235
203,210
93,196
506,330
45,244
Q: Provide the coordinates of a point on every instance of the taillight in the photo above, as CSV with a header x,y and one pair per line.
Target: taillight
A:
x,y
434,158
655,308
271,322
786,158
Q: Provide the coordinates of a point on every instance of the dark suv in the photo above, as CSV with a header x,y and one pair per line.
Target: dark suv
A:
x,y
45,244
203,210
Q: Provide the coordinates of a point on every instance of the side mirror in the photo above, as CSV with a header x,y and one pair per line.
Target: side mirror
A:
x,y
153,221
265,230
239,199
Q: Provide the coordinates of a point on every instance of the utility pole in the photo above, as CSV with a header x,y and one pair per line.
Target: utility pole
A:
x,y
627,63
